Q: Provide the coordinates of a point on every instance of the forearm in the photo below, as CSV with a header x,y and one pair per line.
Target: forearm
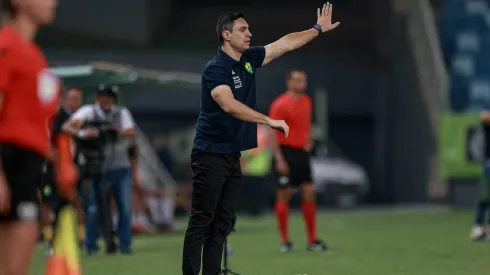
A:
x,y
297,40
129,133
242,112
135,169
70,129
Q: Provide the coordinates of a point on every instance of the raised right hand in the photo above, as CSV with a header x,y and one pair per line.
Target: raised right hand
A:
x,y
324,18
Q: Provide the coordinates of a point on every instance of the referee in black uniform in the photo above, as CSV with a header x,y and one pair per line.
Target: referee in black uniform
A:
x,y
225,127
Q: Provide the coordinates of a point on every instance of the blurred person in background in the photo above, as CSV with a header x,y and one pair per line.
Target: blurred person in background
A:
x,y
113,128
256,166
165,155
52,198
161,201
184,190
292,159
142,221
28,103
481,228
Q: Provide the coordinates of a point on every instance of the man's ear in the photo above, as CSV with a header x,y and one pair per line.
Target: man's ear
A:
x,y
226,35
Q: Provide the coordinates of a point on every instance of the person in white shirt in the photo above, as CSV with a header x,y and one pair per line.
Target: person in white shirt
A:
x,y
116,175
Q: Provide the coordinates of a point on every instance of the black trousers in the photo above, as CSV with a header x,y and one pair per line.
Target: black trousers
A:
x,y
215,185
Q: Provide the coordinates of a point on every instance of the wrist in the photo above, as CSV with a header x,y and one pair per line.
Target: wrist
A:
x,y
318,28
267,120
81,134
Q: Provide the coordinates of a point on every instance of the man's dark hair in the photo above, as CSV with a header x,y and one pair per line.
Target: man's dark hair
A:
x,y
226,21
109,91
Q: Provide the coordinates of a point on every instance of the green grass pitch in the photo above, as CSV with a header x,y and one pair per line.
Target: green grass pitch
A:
x,y
363,243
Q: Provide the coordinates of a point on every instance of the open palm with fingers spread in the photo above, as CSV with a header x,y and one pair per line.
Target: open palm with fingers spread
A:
x,y
324,18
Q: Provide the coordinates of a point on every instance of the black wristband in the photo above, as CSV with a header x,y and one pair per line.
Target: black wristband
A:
x,y
318,28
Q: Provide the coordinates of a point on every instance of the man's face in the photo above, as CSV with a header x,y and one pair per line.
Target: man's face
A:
x,y
41,11
241,36
73,99
297,82
105,102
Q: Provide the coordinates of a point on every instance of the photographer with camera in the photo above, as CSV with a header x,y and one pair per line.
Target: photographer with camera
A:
x,y
105,131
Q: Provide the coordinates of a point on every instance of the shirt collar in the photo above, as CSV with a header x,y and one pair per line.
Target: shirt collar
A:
x,y
225,56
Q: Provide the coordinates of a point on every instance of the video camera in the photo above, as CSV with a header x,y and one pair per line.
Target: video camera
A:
x,y
93,149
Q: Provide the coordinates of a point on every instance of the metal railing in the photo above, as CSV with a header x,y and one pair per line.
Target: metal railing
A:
x,y
153,172
427,51
432,75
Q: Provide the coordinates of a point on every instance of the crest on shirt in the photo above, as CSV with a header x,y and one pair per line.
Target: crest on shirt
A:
x,y
48,87
248,67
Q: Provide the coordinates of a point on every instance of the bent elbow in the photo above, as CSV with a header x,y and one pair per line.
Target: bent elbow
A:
x,y
227,108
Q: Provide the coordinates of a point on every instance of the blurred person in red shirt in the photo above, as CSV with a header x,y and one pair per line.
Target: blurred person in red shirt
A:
x,y
292,159
29,99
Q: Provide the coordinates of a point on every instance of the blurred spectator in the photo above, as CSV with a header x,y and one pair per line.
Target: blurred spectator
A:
x,y
256,166
184,191
140,221
165,155
479,231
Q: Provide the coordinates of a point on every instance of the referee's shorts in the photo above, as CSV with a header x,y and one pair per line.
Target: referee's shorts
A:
x,y
299,168
23,170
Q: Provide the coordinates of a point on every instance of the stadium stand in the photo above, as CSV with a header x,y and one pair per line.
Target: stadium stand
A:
x,y
464,31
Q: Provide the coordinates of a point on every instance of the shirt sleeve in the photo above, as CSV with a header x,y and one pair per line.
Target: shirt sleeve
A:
x,y
84,113
256,55
215,76
127,121
5,68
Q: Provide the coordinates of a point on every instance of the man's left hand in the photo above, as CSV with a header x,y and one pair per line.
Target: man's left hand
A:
x,y
324,18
